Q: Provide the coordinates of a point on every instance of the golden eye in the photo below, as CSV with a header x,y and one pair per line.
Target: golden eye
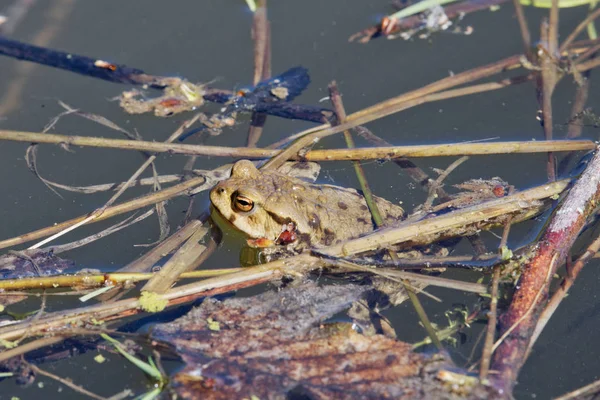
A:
x,y
243,203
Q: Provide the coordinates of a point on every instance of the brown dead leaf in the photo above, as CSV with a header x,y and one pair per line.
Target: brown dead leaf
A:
x,y
276,345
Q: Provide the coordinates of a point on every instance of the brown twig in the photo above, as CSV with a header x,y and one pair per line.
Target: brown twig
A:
x,y
582,25
148,260
524,311
66,382
435,185
525,34
547,79
490,334
261,34
443,95
410,99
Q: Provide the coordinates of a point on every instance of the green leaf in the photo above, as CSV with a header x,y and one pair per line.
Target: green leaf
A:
x,y
149,369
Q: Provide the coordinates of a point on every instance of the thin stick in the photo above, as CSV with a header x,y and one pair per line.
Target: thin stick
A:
x,y
438,182
582,25
525,34
145,262
262,65
432,150
586,391
547,79
29,346
587,54
393,105
587,65
553,28
179,263
66,382
490,334
444,95
109,278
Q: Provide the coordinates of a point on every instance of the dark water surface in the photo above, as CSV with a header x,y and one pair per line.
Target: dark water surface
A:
x,y
210,40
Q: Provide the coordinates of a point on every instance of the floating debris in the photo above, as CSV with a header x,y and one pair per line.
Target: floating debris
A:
x,y
276,345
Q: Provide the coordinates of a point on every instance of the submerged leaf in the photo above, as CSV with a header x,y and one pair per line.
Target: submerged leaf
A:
x,y
277,345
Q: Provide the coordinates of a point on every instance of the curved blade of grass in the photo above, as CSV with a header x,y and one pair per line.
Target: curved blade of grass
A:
x,y
149,369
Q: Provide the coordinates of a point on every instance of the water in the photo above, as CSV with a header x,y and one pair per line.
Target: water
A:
x,y
210,40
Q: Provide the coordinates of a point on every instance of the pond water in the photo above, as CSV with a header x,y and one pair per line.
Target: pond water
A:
x,y
210,41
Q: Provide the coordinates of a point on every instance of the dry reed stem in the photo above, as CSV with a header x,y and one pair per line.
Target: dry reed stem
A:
x,y
410,99
588,53
432,150
148,260
458,223
444,95
424,280
261,34
547,80
105,187
587,65
92,281
179,263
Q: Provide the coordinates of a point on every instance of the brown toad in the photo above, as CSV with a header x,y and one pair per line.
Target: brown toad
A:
x,y
259,203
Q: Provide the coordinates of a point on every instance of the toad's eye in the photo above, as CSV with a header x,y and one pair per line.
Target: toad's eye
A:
x,y
243,203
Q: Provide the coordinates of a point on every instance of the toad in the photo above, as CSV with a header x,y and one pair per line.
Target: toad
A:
x,y
271,207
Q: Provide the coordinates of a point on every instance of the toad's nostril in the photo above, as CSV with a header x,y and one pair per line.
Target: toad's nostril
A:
x,y
221,190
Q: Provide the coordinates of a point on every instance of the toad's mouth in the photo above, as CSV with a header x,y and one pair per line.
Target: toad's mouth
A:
x,y
288,235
